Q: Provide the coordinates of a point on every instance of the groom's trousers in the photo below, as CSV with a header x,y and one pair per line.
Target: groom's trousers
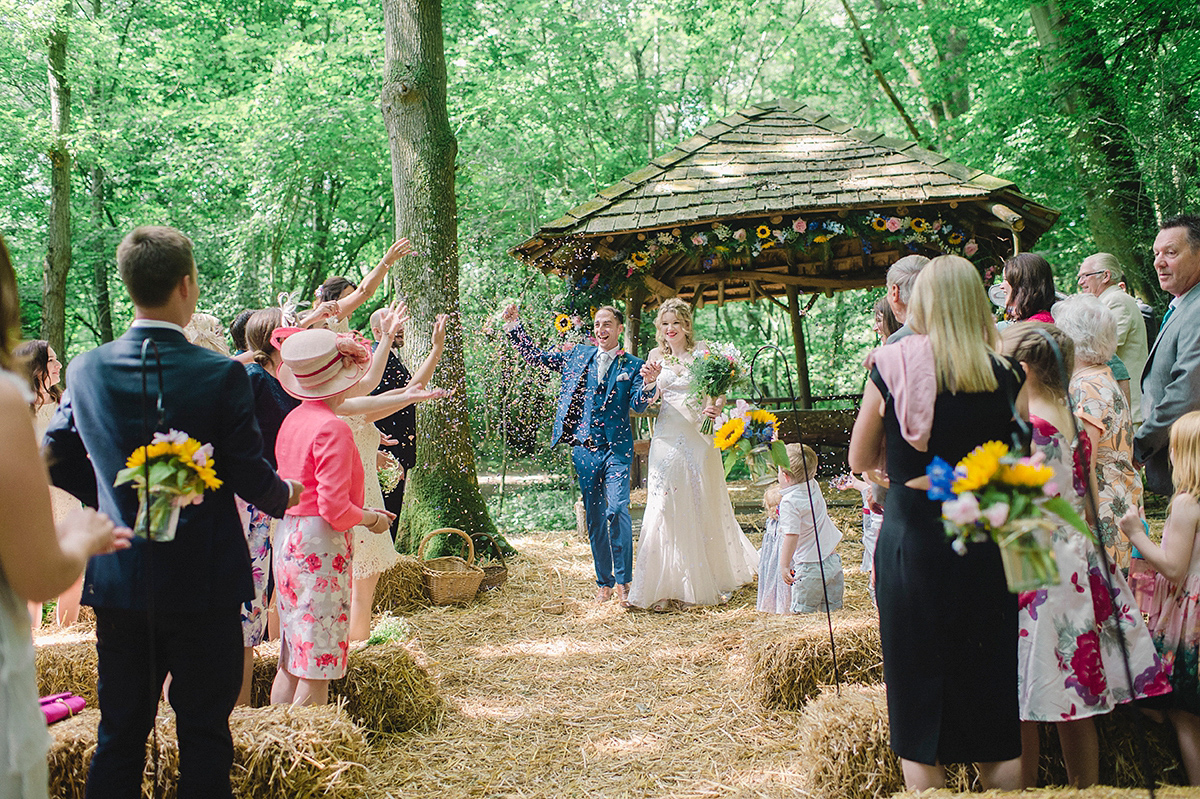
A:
x,y
604,483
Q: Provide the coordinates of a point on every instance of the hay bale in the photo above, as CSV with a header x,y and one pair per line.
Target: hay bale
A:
x,y
845,742
385,689
281,752
1095,792
66,661
401,588
790,657
1120,763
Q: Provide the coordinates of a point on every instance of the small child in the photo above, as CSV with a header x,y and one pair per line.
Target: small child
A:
x,y
872,522
804,524
1175,603
774,595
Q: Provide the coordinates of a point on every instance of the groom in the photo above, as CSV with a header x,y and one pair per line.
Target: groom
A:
x,y
599,386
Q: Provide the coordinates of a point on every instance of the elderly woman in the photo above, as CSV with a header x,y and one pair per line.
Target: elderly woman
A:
x,y
1104,411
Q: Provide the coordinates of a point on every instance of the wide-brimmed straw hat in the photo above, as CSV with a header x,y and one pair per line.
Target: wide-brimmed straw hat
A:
x,y
317,364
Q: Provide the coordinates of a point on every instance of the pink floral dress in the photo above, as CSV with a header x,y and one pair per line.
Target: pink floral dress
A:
x,y
314,544
1175,625
1069,657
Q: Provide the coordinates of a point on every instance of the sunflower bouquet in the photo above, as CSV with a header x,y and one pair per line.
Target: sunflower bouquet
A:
x,y
180,470
994,494
715,370
751,434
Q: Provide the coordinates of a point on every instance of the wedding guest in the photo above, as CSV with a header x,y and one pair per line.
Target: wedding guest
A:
x,y
39,559
774,595
271,406
196,583
337,298
313,548
948,623
1029,287
1100,276
40,360
884,323
900,279
205,330
1071,667
1102,409
871,522
237,331
808,560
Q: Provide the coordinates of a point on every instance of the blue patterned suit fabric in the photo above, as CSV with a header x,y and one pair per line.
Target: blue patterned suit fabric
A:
x,y
593,416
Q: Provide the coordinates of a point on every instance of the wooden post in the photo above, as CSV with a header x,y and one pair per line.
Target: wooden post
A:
x,y
633,318
803,390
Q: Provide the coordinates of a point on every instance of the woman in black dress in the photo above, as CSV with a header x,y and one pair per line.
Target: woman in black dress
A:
x,y
948,623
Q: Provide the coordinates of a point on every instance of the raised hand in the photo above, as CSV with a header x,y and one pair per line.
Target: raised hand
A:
x,y
396,319
387,441
510,314
418,393
398,250
439,331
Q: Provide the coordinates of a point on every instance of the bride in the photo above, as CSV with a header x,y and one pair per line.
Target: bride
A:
x,y
691,550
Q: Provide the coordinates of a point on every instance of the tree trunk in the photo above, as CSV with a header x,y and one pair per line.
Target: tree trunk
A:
x,y
58,235
443,489
1119,215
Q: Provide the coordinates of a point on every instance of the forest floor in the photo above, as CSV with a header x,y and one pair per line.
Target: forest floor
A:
x,y
599,701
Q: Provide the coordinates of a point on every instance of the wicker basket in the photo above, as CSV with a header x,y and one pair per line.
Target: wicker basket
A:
x,y
494,574
450,580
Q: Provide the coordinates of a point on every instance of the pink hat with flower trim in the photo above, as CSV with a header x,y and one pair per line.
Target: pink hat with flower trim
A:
x,y
318,364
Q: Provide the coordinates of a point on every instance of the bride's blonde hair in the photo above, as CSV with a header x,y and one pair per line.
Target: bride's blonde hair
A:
x,y
683,313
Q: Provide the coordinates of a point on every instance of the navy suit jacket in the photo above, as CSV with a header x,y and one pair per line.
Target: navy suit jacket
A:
x,y
99,424
604,409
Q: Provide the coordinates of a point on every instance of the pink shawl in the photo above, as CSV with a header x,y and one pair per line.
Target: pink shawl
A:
x,y
908,369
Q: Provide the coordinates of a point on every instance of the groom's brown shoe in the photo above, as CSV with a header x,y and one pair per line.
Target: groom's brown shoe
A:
x,y
604,593
623,594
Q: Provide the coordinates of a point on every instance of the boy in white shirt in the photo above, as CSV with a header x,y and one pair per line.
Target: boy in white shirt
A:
x,y
803,525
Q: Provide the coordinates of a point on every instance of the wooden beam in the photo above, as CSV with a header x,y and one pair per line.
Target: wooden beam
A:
x,y
805,281
803,390
721,294
658,288
1007,215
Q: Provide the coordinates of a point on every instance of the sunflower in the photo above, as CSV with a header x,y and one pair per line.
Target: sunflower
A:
x,y
879,223
639,259
759,416
955,238
562,323
979,466
821,239
763,231
1026,475
730,433
766,245
919,224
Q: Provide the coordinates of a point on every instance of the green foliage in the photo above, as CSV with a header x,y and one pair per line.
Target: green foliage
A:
x,y
531,509
389,628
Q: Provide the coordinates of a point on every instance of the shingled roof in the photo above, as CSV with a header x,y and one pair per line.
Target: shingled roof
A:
x,y
782,158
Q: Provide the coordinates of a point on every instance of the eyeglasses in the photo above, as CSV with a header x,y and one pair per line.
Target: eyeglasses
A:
x,y
1086,275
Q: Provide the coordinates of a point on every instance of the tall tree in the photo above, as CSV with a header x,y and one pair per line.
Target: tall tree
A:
x,y
443,489
58,253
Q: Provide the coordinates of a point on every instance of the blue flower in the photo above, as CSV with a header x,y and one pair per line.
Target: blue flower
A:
x,y
941,480
866,247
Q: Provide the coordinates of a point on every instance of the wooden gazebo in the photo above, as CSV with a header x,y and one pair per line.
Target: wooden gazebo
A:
x,y
778,200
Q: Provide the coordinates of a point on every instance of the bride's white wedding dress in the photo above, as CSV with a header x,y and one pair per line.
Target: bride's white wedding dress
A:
x,y
691,549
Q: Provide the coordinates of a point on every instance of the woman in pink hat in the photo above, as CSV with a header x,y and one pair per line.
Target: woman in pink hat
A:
x,y
313,546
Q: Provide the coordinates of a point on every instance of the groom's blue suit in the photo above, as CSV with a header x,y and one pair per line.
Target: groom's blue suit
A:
x,y
593,415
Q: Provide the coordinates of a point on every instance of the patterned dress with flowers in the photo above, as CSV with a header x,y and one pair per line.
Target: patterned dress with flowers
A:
x,y
1099,400
1175,626
1069,654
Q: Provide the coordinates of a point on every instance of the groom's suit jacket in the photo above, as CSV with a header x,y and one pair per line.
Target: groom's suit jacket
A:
x,y
1170,388
590,413
99,424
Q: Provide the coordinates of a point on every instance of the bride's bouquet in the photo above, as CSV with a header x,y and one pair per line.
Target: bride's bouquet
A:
x,y
752,434
715,370
180,469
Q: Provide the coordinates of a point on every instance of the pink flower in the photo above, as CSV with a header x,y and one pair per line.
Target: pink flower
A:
x,y
937,225
629,273
962,511
699,239
328,659
740,234
1087,676
339,563
1102,605
312,562
997,514
799,225
1050,489
971,248
893,224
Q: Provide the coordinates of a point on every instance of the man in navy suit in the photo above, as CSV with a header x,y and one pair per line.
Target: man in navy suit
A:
x,y
171,606
599,386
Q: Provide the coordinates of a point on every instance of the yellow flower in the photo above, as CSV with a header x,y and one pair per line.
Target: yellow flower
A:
x,y
1026,475
759,416
562,323
919,224
639,259
763,231
879,223
820,239
955,238
729,434
766,245
980,464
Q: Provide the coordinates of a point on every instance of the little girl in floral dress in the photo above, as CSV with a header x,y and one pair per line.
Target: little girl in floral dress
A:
x,y
774,595
1175,600
1070,666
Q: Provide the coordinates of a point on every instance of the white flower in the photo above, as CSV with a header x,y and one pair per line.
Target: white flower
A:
x,y
958,546
202,455
997,515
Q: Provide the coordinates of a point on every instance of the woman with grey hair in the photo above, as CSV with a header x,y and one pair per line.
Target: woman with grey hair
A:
x,y
1104,411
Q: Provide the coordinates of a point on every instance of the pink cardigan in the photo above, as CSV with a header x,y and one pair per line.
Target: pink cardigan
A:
x,y
317,448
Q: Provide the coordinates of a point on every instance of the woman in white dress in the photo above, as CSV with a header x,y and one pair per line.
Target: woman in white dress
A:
x,y
691,550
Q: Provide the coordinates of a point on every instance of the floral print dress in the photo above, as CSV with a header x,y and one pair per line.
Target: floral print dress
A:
x,y
1175,625
1099,400
1069,656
